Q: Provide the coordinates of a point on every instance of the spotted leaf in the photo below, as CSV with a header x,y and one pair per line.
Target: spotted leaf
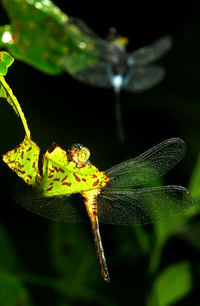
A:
x,y
62,176
40,35
24,161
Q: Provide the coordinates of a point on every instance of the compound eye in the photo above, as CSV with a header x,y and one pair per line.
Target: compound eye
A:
x,y
83,155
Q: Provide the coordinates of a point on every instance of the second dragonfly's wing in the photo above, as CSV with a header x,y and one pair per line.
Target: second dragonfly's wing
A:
x,y
142,206
143,78
96,75
148,166
82,26
152,52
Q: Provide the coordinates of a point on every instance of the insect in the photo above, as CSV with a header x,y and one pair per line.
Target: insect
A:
x,y
41,35
118,69
118,196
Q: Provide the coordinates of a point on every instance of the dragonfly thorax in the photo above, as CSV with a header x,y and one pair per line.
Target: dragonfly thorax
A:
x,y
117,82
119,66
118,58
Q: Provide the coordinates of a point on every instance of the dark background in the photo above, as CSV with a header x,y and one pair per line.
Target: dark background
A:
x,y
60,109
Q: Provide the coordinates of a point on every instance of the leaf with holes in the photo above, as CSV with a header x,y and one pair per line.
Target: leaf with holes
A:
x,y
40,35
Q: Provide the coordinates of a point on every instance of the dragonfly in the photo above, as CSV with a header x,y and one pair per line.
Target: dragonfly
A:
x,y
119,69
43,36
122,197
116,68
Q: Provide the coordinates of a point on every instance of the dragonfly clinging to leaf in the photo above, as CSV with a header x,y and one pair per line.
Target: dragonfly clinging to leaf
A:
x,y
43,36
117,196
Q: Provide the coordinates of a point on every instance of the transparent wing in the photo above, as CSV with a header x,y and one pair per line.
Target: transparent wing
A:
x,y
147,166
97,75
62,209
143,78
149,54
142,206
101,46
82,26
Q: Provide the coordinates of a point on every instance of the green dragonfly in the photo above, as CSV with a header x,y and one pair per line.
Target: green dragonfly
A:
x,y
119,195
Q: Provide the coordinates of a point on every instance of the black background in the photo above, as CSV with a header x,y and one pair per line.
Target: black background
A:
x,y
60,109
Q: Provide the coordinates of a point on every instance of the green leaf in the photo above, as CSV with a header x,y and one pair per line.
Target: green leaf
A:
x,y
24,161
6,61
12,292
6,93
41,36
173,284
194,184
163,231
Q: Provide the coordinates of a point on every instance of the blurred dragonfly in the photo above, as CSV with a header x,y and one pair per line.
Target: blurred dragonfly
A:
x,y
126,198
41,35
118,69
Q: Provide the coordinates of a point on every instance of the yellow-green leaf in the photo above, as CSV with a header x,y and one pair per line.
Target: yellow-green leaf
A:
x,y
24,161
6,61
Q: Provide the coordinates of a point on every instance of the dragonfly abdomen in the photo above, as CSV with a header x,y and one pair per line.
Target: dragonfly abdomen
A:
x,y
91,206
100,250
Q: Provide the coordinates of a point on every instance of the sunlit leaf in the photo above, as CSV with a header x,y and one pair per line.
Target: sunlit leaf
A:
x,y
40,35
6,91
24,161
5,61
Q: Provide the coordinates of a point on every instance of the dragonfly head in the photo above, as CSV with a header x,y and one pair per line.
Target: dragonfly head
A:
x,y
87,176
123,41
79,154
114,36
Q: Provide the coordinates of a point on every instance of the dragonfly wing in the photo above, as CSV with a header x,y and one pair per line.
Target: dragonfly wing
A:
x,y
148,166
142,206
84,34
152,52
54,208
143,78
82,26
97,75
